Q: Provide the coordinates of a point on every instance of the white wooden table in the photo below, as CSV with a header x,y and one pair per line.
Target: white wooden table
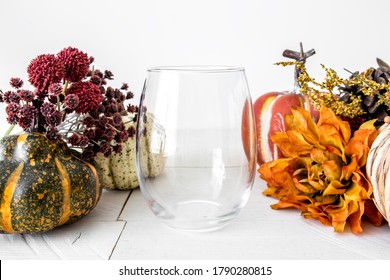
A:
x,y
121,227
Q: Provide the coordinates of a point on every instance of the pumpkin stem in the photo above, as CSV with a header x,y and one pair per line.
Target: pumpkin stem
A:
x,y
300,56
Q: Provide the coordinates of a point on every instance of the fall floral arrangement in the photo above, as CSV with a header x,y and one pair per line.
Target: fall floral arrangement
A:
x,y
72,101
322,171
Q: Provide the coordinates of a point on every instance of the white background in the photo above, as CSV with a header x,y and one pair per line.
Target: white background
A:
x,y
128,37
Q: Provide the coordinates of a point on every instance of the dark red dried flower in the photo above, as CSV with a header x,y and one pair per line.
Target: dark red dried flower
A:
x,y
54,119
99,131
25,123
12,108
102,90
106,149
124,86
27,114
45,70
16,83
95,114
11,96
41,95
83,141
56,98
89,133
28,111
88,153
102,109
88,121
118,95
12,119
55,89
132,109
108,75
122,137
52,135
103,121
74,139
117,119
110,92
121,108
95,79
120,127
121,98
97,72
109,134
112,108
76,63
89,96
47,109
26,95
71,101
107,102
131,131
129,95
117,148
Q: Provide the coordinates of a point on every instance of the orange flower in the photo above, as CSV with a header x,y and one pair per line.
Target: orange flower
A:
x,y
322,172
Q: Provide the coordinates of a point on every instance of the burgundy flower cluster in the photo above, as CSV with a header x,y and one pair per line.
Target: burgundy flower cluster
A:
x,y
71,101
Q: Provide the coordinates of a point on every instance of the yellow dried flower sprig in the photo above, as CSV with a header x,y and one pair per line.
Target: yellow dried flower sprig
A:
x,y
327,93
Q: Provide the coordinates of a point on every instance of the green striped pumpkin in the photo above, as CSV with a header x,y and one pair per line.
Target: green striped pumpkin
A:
x,y
43,185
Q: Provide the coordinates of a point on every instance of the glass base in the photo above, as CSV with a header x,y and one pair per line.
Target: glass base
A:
x,y
195,215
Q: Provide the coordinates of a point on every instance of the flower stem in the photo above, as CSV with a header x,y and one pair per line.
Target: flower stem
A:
x,y
10,128
66,85
132,122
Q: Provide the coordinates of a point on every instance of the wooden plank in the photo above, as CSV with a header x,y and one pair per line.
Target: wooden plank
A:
x,y
110,205
93,237
257,233
82,240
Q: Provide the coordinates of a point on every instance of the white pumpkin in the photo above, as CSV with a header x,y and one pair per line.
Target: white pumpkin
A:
x,y
119,170
378,170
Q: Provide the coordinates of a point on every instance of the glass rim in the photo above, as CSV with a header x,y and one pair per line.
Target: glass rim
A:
x,y
197,68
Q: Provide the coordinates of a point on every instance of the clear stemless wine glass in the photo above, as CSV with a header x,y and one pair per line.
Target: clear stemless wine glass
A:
x,y
196,145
